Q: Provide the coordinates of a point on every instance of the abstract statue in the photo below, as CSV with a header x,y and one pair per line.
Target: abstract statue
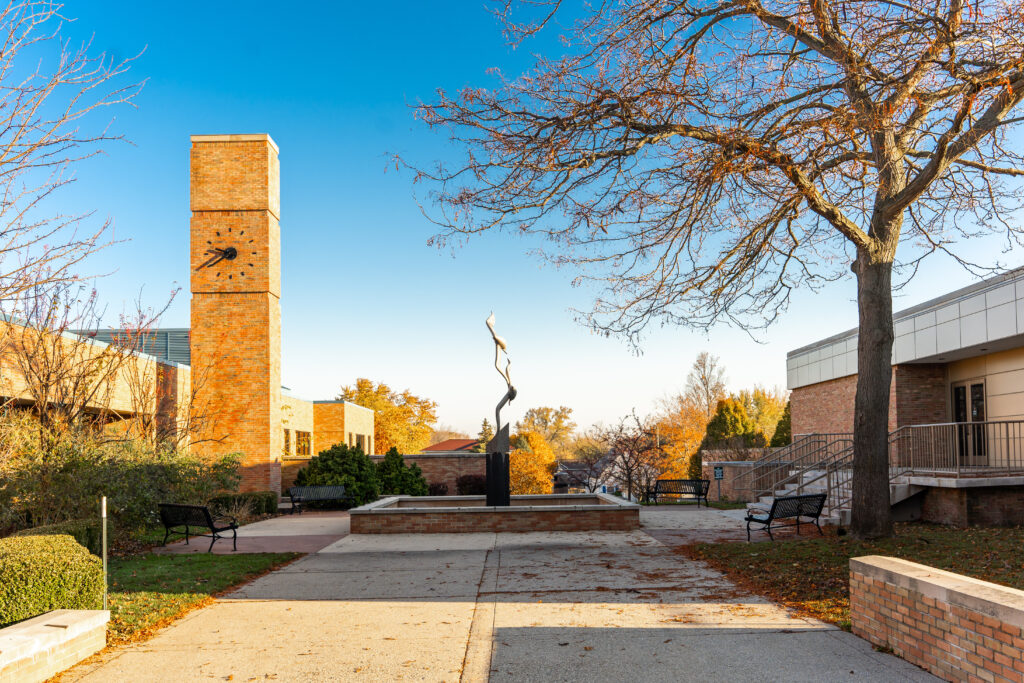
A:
x,y
497,450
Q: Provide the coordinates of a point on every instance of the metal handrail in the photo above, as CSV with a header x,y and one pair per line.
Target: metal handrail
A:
x,y
777,469
958,449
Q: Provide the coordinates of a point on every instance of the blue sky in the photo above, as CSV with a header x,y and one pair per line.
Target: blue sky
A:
x,y
362,293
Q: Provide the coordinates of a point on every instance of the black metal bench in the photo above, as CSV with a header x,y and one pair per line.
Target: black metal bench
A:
x,y
174,516
678,488
805,506
300,495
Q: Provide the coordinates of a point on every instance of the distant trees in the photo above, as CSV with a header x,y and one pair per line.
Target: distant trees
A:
x,y
531,464
402,420
730,423
554,424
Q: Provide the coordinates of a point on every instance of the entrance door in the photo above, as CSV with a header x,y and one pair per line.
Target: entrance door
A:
x,y
969,414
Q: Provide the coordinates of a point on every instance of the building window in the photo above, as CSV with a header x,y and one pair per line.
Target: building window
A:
x,y
361,442
287,442
351,440
302,443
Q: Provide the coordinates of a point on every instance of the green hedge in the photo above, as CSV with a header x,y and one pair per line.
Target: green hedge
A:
x,y
260,502
43,573
88,532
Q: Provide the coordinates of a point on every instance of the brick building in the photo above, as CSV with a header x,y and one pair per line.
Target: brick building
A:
x,y
956,410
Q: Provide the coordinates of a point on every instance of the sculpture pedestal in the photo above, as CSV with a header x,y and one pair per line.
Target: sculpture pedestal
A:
x,y
498,487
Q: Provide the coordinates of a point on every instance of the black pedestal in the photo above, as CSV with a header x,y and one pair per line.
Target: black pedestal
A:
x,y
497,480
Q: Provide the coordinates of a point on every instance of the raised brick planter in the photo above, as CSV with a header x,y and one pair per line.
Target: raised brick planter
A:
x,y
36,649
470,514
954,626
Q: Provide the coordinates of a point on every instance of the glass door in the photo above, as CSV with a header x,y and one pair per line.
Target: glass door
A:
x,y
969,414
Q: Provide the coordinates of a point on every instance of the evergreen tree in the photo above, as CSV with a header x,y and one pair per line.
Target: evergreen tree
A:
x,y
484,437
729,422
784,430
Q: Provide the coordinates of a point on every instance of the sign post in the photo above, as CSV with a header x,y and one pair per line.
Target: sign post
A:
x,y
719,475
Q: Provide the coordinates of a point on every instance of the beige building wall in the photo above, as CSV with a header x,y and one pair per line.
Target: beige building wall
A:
x,y
1003,375
297,419
359,427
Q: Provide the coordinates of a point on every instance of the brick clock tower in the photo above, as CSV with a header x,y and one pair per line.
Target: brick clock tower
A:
x,y
236,301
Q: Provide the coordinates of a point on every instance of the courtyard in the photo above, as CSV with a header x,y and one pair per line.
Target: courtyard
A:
x,y
537,606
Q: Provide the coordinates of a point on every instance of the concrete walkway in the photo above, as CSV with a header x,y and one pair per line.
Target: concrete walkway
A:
x,y
607,606
305,533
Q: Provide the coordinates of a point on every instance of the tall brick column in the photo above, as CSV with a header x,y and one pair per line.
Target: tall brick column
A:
x,y
236,305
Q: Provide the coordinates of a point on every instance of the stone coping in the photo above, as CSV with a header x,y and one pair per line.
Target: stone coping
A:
x,y
390,505
730,463
39,634
439,454
999,602
250,137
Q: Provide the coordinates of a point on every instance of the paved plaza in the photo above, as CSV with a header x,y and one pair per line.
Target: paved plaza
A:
x,y
588,606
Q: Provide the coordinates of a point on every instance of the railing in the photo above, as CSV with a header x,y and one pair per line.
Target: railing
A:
x,y
809,452
958,449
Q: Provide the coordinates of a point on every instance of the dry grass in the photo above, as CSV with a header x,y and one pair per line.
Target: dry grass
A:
x,y
812,576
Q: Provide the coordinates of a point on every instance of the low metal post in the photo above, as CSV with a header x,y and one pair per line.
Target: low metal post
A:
x,y
103,533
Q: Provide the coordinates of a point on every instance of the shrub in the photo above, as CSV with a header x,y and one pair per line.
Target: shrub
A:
x,y
398,480
51,477
87,532
471,485
44,573
438,488
340,465
259,502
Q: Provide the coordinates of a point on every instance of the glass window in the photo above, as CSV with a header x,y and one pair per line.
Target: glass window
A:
x,y
287,442
302,443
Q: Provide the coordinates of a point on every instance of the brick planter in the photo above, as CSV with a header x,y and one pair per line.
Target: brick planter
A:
x,y
469,514
954,626
37,648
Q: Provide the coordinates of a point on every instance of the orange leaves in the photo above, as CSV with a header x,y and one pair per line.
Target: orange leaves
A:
x,y
531,464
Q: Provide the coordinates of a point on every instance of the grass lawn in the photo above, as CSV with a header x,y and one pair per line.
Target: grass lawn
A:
x,y
812,576
149,591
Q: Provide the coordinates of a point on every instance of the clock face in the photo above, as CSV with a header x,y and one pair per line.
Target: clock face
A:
x,y
235,251
226,259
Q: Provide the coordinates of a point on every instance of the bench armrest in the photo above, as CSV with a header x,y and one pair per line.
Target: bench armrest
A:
x,y
761,510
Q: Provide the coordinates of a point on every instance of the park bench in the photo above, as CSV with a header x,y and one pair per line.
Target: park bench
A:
x,y
678,488
805,506
301,495
174,516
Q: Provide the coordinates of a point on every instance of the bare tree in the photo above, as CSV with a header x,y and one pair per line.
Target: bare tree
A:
x,y
705,385
701,159
51,93
589,461
637,457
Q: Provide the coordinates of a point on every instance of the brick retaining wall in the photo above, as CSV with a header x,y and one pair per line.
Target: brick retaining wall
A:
x,y
391,516
437,467
36,649
730,471
954,626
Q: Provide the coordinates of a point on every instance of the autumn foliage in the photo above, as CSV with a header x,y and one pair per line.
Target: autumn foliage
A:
x,y
401,419
531,464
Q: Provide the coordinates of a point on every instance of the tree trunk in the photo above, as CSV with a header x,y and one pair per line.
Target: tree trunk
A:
x,y
872,513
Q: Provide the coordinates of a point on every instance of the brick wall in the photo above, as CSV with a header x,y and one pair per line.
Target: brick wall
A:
x,y
920,394
612,519
956,627
974,506
726,489
917,396
446,469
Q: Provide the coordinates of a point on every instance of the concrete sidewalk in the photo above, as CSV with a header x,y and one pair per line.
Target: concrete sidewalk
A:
x,y
606,606
305,533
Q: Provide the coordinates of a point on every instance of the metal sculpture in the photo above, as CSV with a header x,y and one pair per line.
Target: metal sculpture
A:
x,y
498,493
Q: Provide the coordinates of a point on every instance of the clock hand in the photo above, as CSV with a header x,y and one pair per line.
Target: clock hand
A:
x,y
218,256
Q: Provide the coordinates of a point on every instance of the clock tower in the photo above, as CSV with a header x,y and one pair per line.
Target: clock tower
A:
x,y
236,302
